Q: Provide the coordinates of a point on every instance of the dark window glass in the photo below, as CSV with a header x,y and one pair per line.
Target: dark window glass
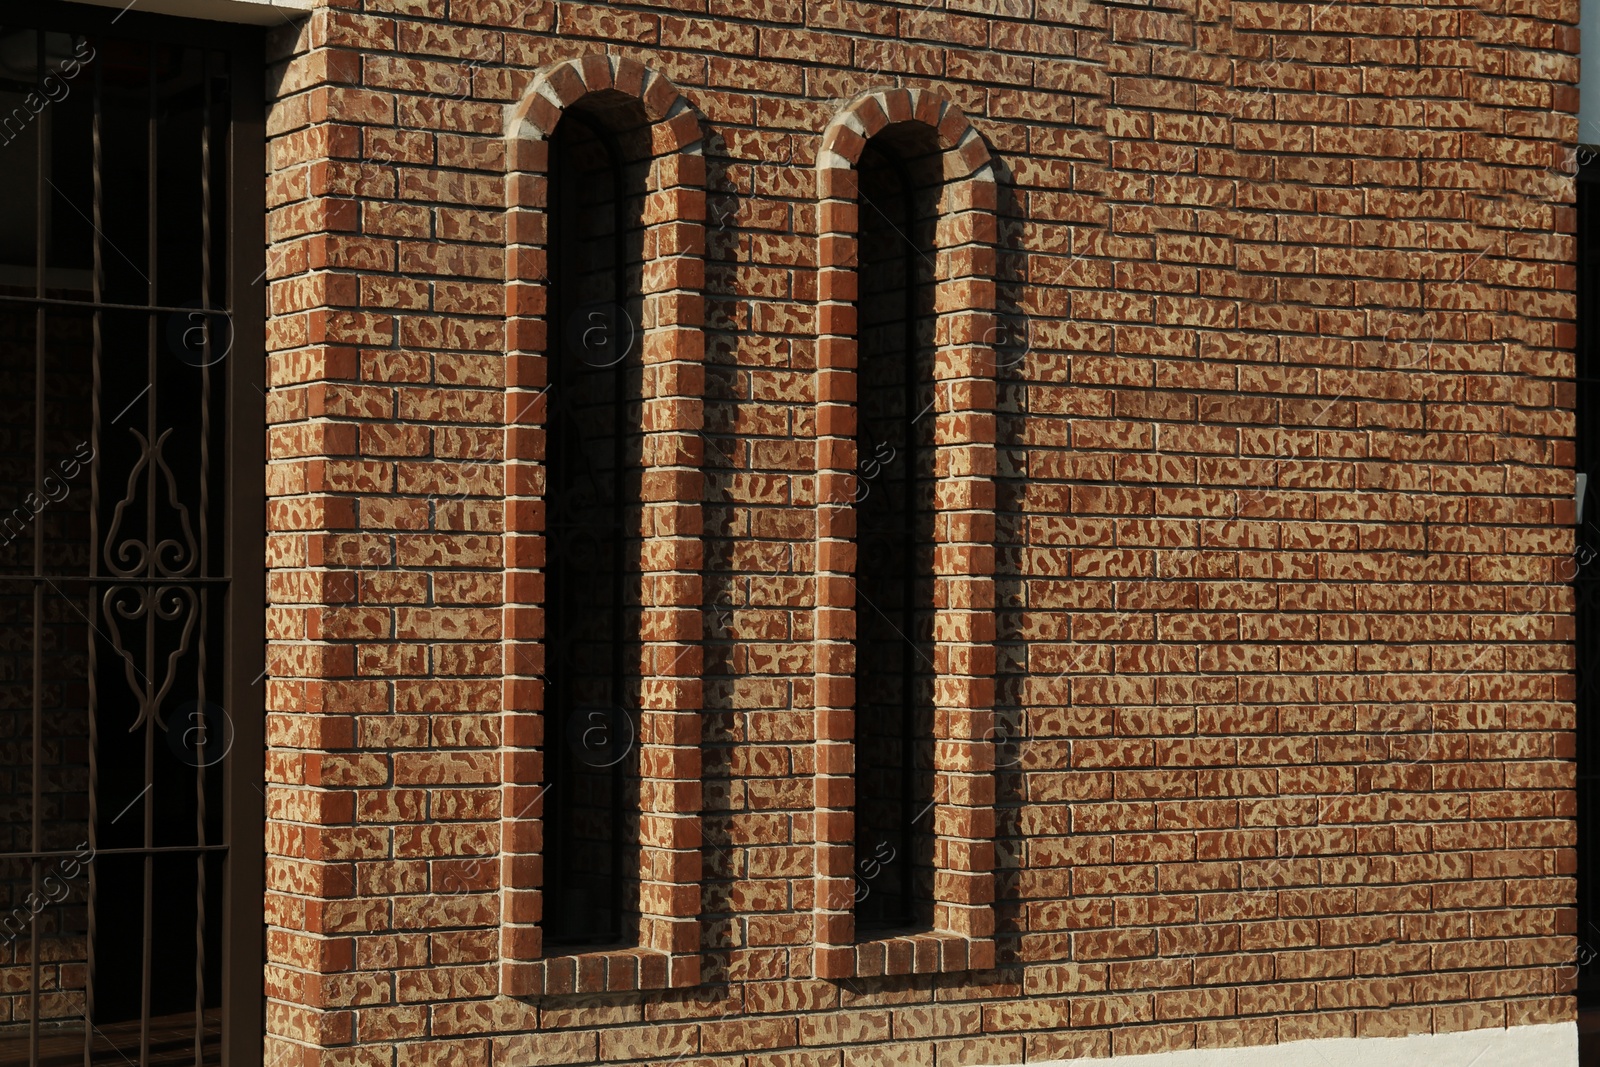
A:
x,y
900,180
598,169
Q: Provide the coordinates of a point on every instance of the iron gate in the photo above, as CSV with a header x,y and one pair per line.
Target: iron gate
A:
x,y
130,541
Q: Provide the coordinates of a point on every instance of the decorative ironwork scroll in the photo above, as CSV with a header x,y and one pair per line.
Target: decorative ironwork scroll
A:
x,y
155,603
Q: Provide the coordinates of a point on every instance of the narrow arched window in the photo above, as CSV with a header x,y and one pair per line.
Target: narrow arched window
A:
x,y
598,171
906,460
900,180
600,816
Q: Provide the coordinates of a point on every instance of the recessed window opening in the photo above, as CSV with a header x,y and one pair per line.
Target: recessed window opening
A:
x,y
1585,573
599,167
901,179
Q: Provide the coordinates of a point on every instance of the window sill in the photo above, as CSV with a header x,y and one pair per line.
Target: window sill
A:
x,y
926,952
624,970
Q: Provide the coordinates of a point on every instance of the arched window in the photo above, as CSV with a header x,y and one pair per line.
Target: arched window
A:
x,y
905,625
599,166
600,819
901,178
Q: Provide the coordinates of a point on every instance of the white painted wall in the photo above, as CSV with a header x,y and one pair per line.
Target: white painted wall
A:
x,y
1551,1045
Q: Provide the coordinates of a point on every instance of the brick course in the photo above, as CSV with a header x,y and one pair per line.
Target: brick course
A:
x,y
1255,424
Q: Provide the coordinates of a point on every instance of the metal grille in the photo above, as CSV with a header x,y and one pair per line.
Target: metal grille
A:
x,y
127,724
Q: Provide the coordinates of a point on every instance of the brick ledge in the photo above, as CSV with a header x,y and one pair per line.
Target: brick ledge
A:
x,y
623,970
925,952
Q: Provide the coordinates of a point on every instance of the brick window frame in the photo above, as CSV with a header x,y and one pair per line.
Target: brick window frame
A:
x,y
673,352
962,937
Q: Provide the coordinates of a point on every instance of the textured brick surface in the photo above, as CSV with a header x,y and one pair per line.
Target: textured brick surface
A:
x,y
1255,460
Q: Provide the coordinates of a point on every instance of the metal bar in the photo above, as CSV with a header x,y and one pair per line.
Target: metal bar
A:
x,y
152,226
47,579
132,850
94,570
41,248
103,305
205,511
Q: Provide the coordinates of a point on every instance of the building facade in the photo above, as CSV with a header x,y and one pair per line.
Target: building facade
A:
x,y
811,532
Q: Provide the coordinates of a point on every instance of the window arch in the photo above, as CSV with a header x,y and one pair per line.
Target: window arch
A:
x,y
905,553
604,382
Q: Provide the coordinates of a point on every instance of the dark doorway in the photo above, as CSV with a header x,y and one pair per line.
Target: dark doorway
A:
x,y
131,541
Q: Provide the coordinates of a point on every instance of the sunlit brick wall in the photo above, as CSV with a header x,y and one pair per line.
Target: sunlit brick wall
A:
x,y
1275,717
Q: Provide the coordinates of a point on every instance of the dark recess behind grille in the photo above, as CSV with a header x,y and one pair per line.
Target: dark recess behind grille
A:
x,y
132,540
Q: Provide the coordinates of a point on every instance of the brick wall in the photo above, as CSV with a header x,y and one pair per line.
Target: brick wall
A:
x,y
1253,448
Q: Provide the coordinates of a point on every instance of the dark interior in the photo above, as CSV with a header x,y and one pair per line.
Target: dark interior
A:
x,y
1586,587
114,338
599,163
900,183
